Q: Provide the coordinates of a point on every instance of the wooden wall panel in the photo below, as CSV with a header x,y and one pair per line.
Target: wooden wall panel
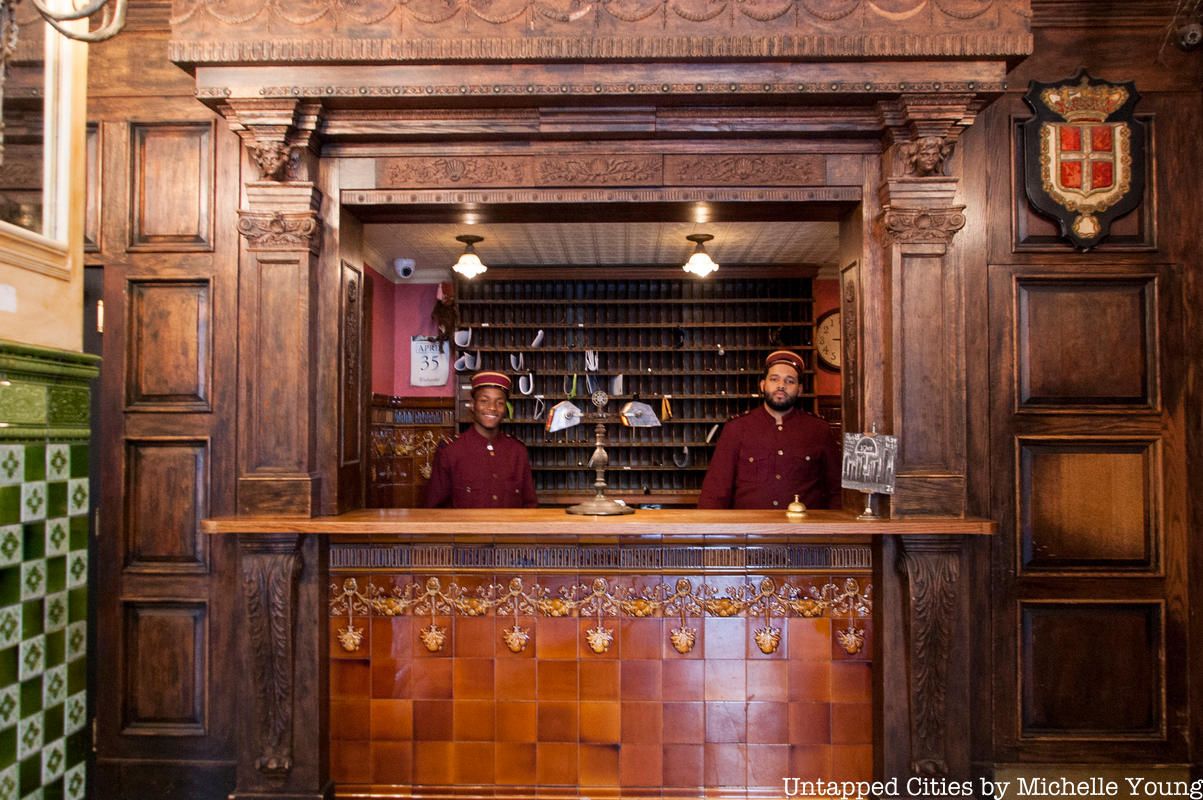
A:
x,y
169,363
92,203
1088,341
166,497
1072,655
351,424
1088,505
171,187
928,381
164,674
1032,232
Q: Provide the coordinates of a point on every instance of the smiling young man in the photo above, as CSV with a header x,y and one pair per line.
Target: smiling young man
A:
x,y
483,467
776,451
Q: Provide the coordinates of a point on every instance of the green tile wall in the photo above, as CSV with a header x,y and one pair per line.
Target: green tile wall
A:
x,y
44,507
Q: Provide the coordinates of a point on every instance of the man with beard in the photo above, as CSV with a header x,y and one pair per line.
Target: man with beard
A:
x,y
776,451
483,467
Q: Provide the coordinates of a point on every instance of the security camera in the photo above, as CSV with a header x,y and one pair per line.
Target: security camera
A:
x,y
404,267
1189,36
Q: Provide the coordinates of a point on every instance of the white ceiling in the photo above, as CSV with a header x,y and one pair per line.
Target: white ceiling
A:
x,y
433,246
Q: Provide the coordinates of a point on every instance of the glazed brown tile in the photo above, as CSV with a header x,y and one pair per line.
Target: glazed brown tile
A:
x,y
391,678
351,762
392,762
838,653
854,761
392,637
726,765
810,723
472,678
669,653
514,679
725,679
683,764
432,720
640,765
768,723
812,762
752,649
474,637
851,723
392,720
336,650
557,721
556,763
809,639
600,723
556,680
556,638
430,678
598,765
586,624
852,682
515,722
472,720
640,638
642,722
350,719
474,763
600,680
418,624
349,679
641,680
683,680
767,765
810,680
514,763
726,637
434,762
684,723
768,680
726,722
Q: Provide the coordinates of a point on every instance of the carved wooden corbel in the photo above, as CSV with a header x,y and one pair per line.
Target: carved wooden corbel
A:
x,y
924,225
931,571
277,230
276,132
270,569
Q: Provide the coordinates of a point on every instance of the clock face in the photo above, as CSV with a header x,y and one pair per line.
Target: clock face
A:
x,y
827,341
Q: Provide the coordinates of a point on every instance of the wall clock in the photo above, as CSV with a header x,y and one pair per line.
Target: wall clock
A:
x,y
827,340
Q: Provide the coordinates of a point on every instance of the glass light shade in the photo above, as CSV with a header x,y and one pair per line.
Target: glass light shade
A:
x,y
700,263
469,265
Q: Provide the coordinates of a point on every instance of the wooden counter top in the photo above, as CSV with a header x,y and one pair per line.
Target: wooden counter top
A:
x,y
553,522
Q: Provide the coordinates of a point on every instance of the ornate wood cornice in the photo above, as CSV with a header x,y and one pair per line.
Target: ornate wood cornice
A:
x,y
931,571
270,570
281,216
275,131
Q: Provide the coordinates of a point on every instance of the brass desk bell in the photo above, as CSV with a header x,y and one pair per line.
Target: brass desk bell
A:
x,y
795,510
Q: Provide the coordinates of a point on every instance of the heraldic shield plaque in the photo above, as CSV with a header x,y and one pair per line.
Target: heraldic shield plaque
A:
x,y
1084,154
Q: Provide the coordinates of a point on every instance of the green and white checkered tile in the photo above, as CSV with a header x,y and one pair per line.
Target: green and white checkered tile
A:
x,y
43,621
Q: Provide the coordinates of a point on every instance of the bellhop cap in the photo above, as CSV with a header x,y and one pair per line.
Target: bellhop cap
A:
x,y
500,380
785,357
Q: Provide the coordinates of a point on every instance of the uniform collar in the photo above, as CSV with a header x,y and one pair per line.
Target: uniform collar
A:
x,y
787,416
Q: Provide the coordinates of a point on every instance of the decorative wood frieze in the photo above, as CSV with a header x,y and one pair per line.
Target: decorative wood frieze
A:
x,y
931,571
453,171
832,194
746,169
270,570
601,170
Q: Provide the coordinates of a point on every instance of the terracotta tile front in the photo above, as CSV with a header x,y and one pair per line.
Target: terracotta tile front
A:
x,y
600,680
810,723
516,722
514,679
392,762
556,763
351,761
557,721
726,679
726,637
350,679
768,723
726,722
474,763
350,719
768,764
683,764
600,723
851,682
431,678
472,678
851,723
640,765
434,762
684,723
557,680
641,680
642,722
768,680
472,720
598,765
391,679
514,763
683,679
726,765
392,720
432,720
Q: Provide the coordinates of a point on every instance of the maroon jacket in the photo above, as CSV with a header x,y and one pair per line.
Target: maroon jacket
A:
x,y
760,464
467,474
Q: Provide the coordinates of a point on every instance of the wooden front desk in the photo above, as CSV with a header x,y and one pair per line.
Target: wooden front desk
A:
x,y
671,653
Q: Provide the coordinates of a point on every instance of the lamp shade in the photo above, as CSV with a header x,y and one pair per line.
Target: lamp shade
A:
x,y
700,263
469,264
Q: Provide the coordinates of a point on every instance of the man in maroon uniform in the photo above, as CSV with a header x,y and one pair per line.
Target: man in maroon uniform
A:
x,y
483,467
776,451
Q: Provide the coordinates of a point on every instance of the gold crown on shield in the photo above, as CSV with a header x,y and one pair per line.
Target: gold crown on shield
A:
x,y
1084,102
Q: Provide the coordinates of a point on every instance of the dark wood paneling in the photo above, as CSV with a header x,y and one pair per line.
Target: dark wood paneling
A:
x,y
928,385
351,398
1088,505
171,187
166,497
92,202
1089,341
165,670
1073,655
170,364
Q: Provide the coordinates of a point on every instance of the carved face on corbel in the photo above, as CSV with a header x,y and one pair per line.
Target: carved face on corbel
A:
x,y
926,157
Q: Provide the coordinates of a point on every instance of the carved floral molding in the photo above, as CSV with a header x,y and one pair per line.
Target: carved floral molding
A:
x,y
280,230
924,225
600,599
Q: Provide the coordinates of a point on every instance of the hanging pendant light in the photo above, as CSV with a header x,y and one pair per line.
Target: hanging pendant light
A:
x,y
700,263
469,264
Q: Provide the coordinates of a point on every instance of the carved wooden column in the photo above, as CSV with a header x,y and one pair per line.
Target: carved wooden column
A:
x,y
278,381
282,746
926,373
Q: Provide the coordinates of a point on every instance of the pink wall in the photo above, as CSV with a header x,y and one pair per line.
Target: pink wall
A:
x,y
827,297
412,305
383,327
